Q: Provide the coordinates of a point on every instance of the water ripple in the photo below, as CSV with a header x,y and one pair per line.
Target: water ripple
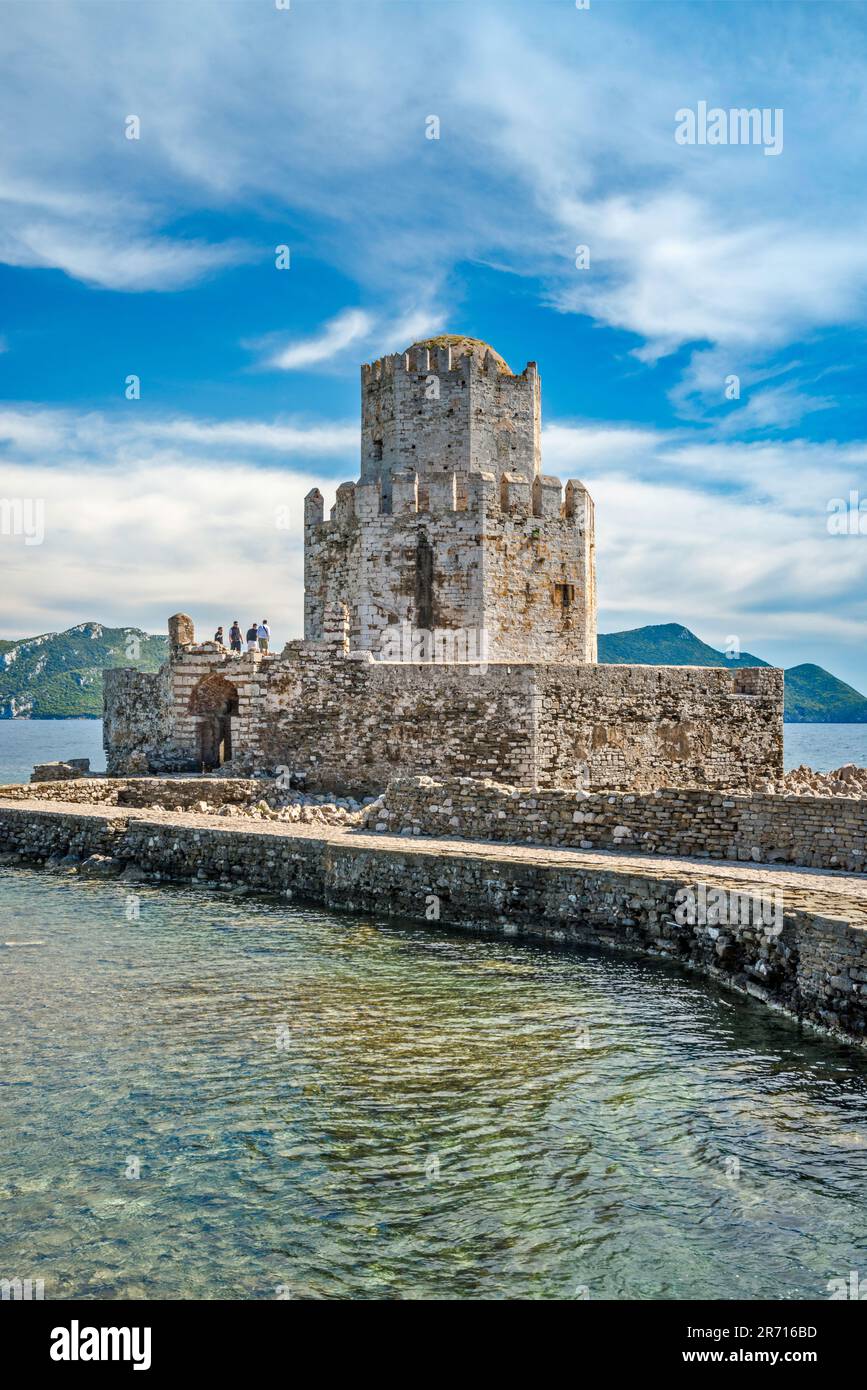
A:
x,y
336,1107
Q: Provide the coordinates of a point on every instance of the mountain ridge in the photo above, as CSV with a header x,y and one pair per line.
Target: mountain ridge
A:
x,y
58,675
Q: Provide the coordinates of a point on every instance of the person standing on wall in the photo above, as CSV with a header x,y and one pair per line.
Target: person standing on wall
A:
x,y
264,635
235,637
252,637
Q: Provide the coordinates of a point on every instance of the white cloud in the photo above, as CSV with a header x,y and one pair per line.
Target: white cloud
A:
x,y
333,440
781,407
68,434
725,538
337,335
120,260
369,335
31,430
157,515
145,516
572,450
677,270
405,329
138,544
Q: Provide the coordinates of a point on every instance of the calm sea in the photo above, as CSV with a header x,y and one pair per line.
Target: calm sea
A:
x,y
24,742
208,1096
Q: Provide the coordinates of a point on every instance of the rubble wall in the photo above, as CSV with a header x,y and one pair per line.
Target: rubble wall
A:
x,y
349,724
768,828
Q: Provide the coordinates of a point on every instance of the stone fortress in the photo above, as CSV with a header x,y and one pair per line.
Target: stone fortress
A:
x,y
447,676
449,627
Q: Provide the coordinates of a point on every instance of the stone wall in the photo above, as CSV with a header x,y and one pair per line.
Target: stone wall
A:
x,y
84,791
349,724
60,771
509,559
170,793
139,712
812,831
818,832
642,727
814,965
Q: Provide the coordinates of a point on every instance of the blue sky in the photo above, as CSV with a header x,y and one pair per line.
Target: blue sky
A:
x,y
307,127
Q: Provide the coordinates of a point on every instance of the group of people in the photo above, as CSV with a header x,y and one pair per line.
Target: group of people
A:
x,y
258,637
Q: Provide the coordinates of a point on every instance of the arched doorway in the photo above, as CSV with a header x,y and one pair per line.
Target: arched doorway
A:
x,y
215,703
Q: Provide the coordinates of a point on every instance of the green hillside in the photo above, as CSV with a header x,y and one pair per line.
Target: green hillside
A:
x,y
812,694
59,674
665,644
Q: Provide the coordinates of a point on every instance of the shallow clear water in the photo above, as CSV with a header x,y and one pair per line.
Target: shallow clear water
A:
x,y
24,742
306,1159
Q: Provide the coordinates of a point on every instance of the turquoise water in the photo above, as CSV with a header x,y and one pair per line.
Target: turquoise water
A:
x,y
24,742
336,1107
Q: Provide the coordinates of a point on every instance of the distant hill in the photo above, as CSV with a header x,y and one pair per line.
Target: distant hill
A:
x,y
666,644
59,675
812,694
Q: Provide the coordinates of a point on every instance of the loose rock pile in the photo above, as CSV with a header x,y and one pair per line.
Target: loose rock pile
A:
x,y
848,780
242,798
295,808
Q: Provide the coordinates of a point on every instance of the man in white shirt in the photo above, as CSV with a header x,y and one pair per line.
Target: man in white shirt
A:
x,y
264,635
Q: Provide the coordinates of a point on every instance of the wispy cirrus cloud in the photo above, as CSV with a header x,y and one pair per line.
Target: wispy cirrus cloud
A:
x,y
340,333
107,437
312,440
365,333
107,260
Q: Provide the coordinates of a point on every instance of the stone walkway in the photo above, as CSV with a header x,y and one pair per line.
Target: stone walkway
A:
x,y
823,891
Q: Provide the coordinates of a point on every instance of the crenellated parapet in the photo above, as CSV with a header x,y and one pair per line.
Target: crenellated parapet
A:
x,y
443,494
450,353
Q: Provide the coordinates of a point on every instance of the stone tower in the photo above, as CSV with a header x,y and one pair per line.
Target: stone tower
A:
x,y
452,528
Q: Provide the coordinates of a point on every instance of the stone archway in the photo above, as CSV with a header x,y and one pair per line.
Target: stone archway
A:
x,y
214,702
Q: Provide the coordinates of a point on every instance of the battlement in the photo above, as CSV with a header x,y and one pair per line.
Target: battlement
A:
x,y
442,494
449,353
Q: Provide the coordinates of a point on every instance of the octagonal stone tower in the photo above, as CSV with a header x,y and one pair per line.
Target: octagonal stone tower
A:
x,y
452,528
